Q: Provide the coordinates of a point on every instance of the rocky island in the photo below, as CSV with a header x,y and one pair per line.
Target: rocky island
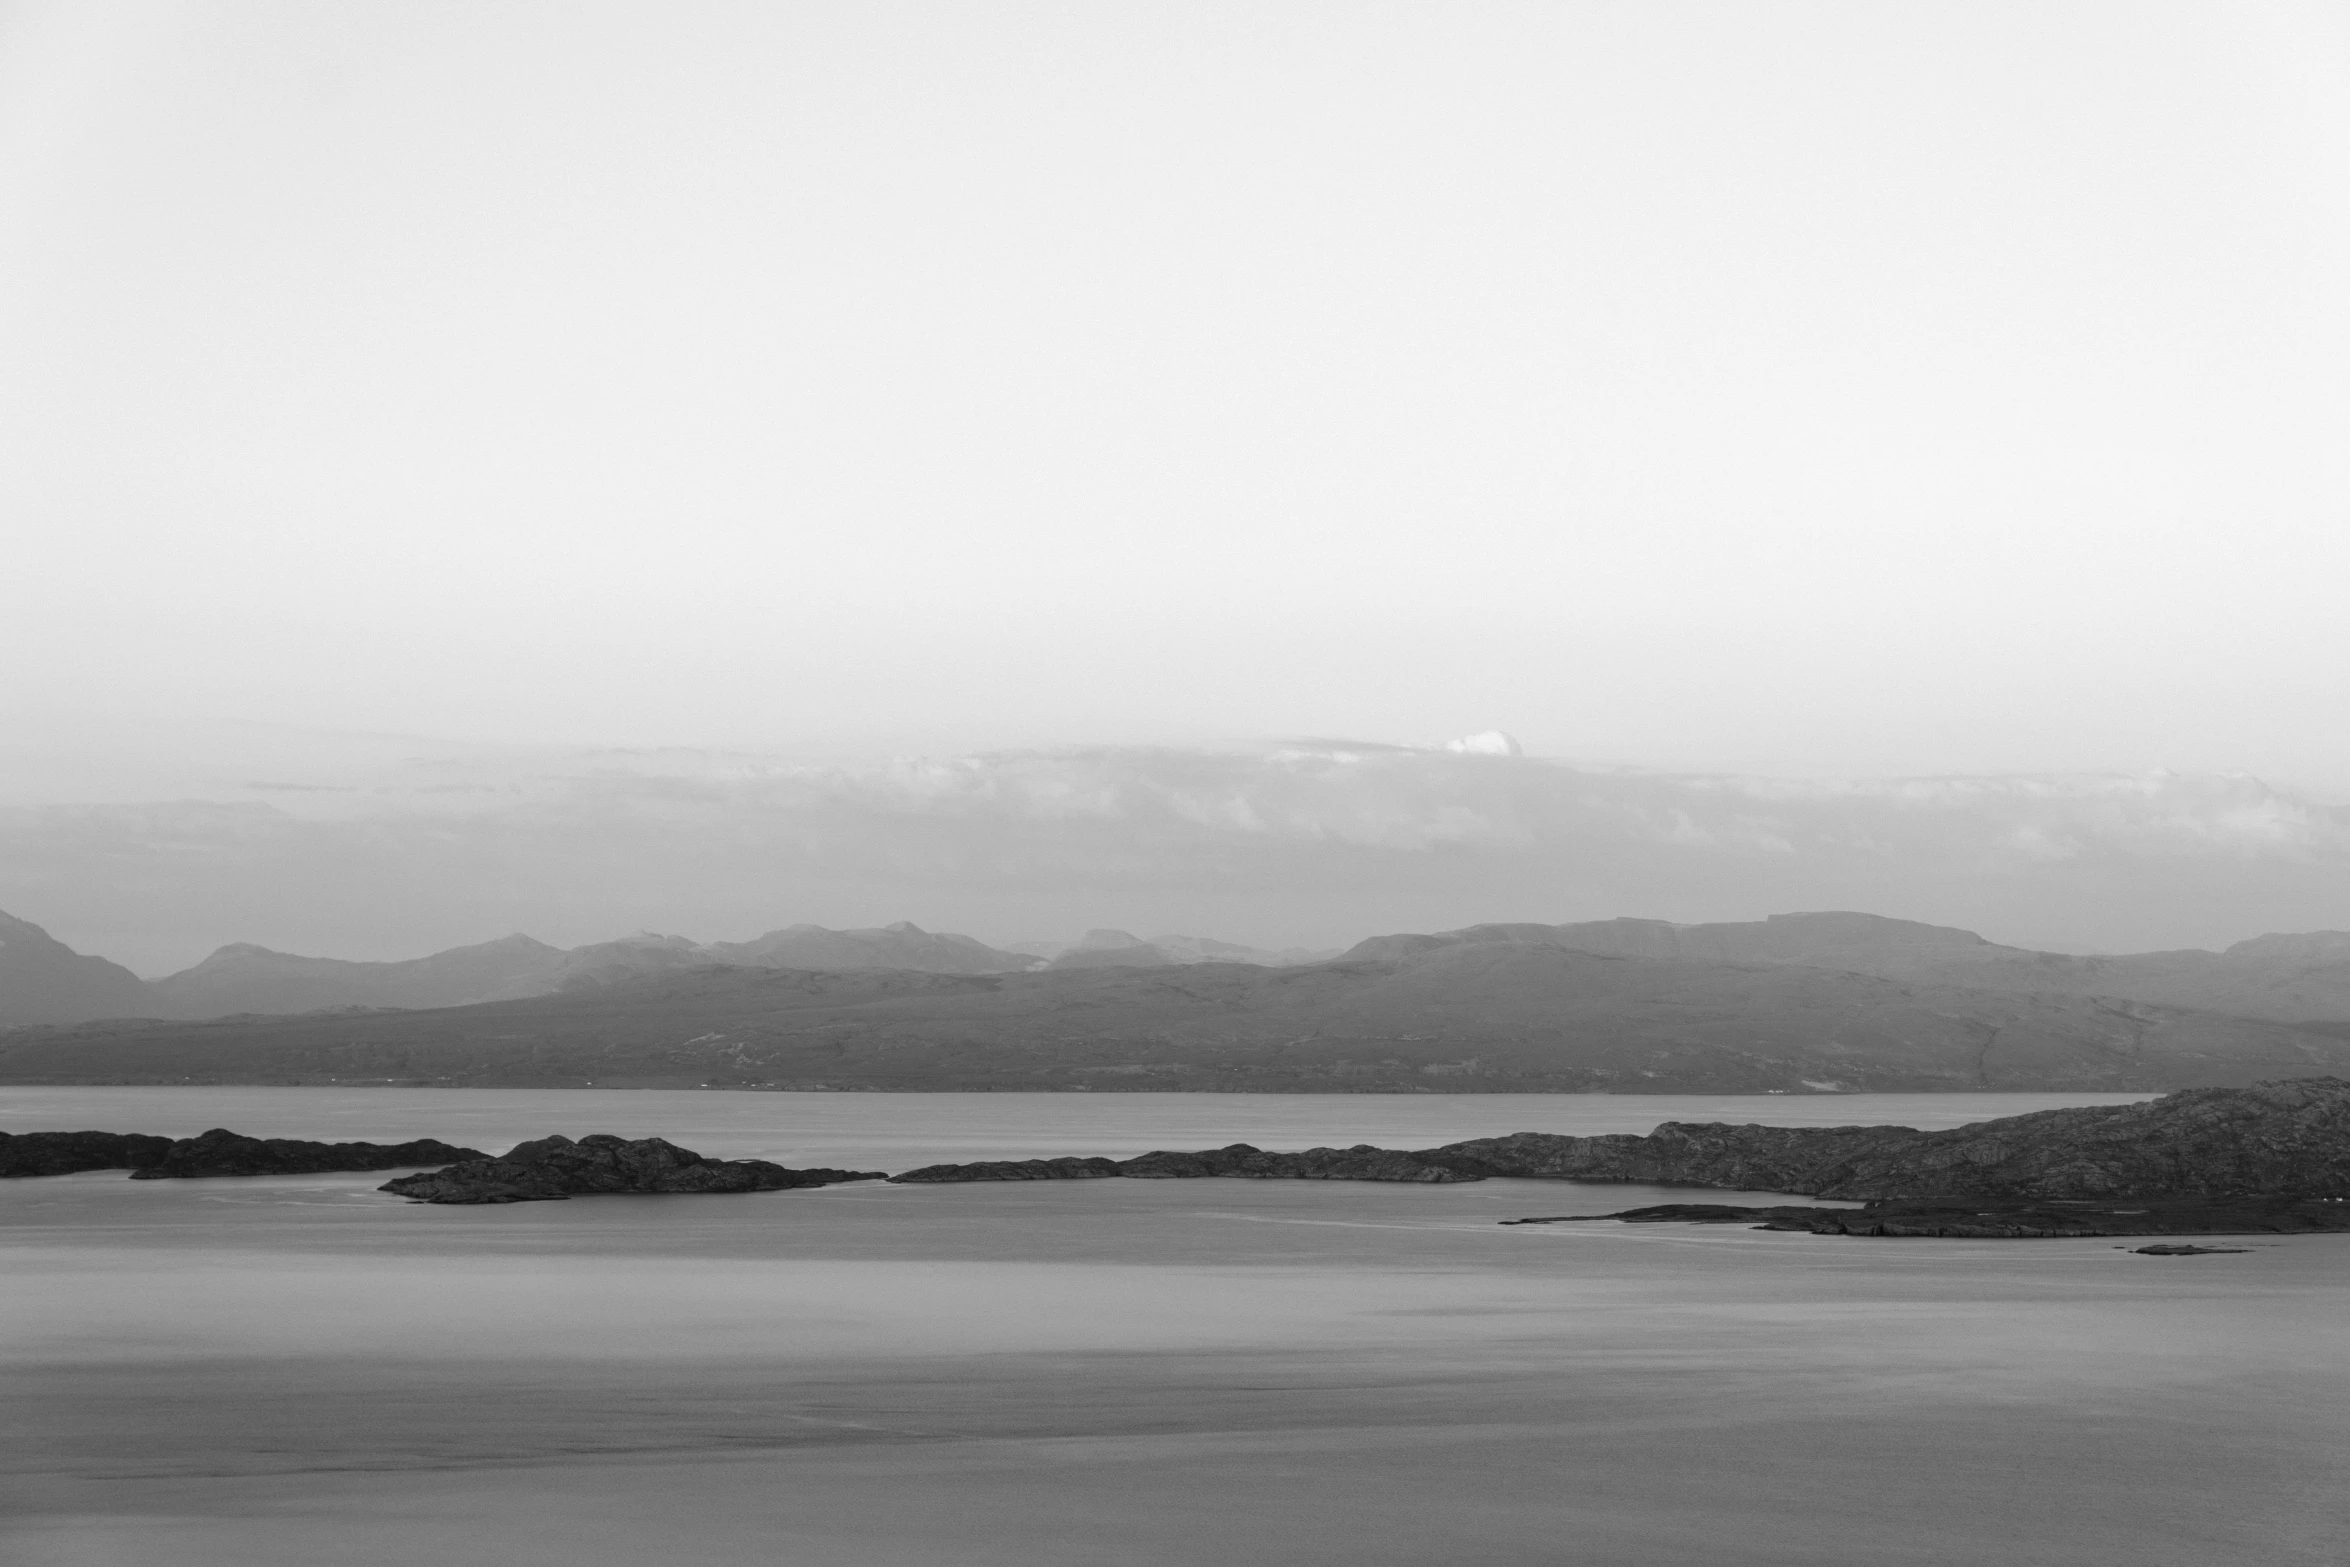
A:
x,y
2011,1219
550,1169
2271,1158
214,1153
2274,1156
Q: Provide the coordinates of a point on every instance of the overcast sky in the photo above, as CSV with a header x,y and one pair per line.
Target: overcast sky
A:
x,y
1828,388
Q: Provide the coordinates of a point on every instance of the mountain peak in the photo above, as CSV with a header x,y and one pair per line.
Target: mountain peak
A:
x,y
42,980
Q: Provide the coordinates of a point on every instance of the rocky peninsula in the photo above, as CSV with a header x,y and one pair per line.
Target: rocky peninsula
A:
x,y
2011,1219
2271,1158
550,1169
214,1153
2208,1151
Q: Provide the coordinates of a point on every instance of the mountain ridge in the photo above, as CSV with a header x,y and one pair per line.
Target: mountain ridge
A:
x,y
245,977
1466,1017
2284,978
42,980
1817,1002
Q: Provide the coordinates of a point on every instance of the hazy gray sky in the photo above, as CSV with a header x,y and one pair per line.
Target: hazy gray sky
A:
x,y
372,854
1835,388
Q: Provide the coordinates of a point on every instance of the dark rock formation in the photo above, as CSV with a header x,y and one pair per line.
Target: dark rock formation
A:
x,y
222,1152
1359,1163
2190,1251
552,1168
2012,1219
2291,1136
1014,1170
64,1153
217,1152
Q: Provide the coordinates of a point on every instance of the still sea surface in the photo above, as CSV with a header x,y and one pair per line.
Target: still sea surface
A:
x,y
1117,1373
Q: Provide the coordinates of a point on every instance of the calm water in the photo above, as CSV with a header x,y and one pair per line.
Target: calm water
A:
x,y
305,1371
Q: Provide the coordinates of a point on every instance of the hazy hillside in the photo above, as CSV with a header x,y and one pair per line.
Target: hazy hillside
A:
x,y
1468,1016
1112,949
1123,949
244,978
903,945
42,980
1206,949
2290,979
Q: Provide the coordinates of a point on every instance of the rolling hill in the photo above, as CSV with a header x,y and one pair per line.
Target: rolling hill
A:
x,y
2283,978
1459,1016
42,980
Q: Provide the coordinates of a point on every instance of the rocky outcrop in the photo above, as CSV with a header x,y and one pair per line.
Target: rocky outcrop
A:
x,y
2291,1136
1359,1163
217,1152
2035,1219
66,1153
552,1168
222,1152
2189,1251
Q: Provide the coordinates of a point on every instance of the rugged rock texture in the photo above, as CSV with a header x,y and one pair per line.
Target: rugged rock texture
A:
x,y
2189,1251
217,1152
2289,1136
1362,1162
1014,1170
552,1168
2282,1137
64,1153
222,1152
2038,1219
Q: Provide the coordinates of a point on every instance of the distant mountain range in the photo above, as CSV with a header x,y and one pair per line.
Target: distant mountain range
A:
x,y
44,981
2286,979
1119,949
1795,1003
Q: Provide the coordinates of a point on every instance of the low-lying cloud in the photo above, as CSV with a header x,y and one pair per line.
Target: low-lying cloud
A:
x,y
1311,843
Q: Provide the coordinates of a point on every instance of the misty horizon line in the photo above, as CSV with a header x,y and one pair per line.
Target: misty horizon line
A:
x,y
417,748
1044,948
370,851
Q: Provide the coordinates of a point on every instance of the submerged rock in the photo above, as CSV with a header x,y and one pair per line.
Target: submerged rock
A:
x,y
2015,1219
2191,1251
552,1168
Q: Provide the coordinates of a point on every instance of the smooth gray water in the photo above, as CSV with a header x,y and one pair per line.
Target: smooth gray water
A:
x,y
898,1131
305,1371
